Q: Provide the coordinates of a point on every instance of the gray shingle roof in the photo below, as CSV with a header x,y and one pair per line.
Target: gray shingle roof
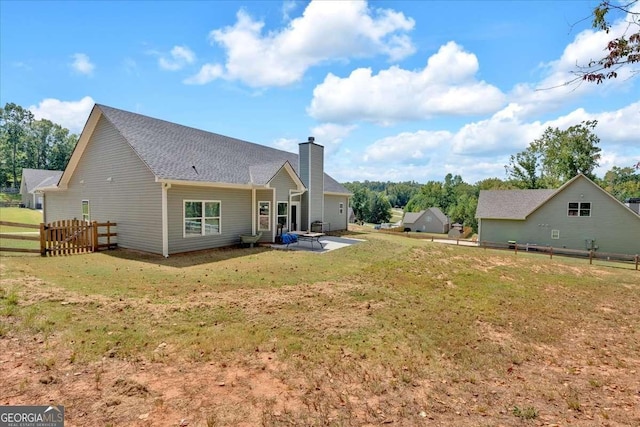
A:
x,y
35,178
411,217
439,214
510,204
171,151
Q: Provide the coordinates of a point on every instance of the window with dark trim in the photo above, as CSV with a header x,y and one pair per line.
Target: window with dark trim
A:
x,y
579,209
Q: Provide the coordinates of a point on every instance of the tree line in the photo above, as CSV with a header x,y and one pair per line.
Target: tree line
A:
x,y
548,162
29,143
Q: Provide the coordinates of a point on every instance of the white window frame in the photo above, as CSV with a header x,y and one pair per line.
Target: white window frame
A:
x,y
267,216
579,209
555,234
285,215
86,217
202,218
341,208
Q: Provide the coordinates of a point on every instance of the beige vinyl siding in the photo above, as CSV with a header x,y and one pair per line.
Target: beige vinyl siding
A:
x,y
235,217
332,215
131,198
282,183
613,227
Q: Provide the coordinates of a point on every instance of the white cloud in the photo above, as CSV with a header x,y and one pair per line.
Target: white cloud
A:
x,y
179,57
481,149
331,135
68,114
208,73
82,64
286,144
446,86
407,147
326,31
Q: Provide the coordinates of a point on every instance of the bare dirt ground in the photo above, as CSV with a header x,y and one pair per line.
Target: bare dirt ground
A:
x,y
590,379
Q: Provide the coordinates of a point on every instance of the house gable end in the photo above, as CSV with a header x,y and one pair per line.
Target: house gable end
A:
x,y
580,178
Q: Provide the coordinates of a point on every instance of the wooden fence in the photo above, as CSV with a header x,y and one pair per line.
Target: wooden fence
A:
x,y
65,237
575,253
12,236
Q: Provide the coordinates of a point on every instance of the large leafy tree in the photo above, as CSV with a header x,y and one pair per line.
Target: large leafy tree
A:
x,y
431,195
557,156
379,208
622,183
359,201
15,123
622,51
399,194
29,143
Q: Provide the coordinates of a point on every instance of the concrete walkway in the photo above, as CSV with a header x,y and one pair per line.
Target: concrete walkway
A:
x,y
329,243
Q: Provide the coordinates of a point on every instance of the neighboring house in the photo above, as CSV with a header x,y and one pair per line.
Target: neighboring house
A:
x,y
633,204
431,220
32,181
578,215
172,189
351,216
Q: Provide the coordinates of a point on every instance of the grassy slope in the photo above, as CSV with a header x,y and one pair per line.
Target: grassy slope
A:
x,y
399,322
24,216
19,215
396,215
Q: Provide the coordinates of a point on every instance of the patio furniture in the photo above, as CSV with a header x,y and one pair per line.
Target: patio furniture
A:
x,y
309,237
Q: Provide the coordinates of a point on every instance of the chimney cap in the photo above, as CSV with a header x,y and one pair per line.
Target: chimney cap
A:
x,y
311,139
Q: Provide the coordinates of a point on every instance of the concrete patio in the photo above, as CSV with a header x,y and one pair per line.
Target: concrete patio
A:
x,y
329,243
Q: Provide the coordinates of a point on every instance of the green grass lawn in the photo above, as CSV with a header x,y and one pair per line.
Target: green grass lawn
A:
x,y
23,216
391,329
20,215
396,215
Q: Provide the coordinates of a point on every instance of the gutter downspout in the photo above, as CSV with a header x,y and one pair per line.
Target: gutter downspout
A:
x,y
165,220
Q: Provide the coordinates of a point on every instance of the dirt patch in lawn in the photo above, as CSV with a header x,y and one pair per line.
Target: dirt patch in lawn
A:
x,y
360,351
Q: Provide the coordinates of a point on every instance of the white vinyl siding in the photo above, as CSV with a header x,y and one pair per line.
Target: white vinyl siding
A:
x,y
202,217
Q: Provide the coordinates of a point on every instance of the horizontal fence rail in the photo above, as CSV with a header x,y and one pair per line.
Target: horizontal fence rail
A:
x,y
64,237
552,250
591,255
33,236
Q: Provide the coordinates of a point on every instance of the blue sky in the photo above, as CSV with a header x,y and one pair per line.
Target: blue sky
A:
x,y
394,90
